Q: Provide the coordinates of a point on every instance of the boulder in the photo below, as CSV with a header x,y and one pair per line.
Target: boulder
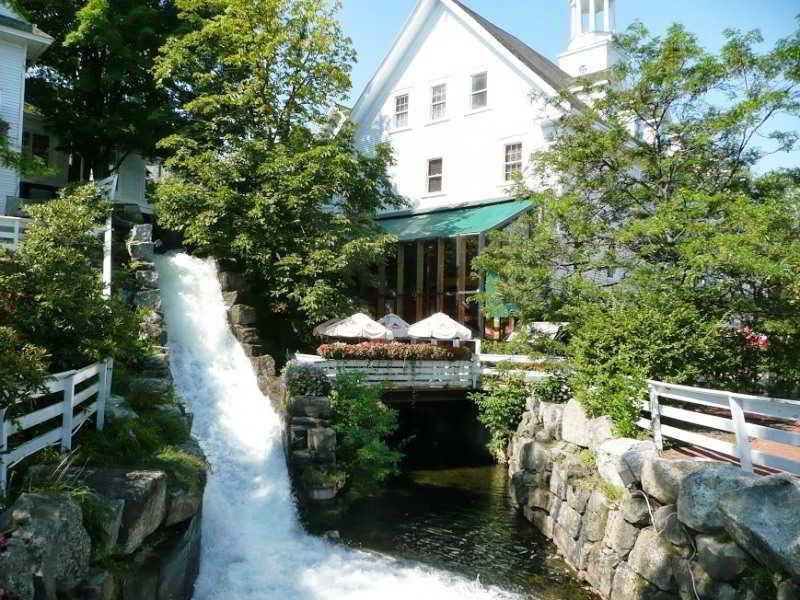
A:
x,y
152,327
567,546
180,564
117,407
578,496
246,335
111,523
318,407
100,585
701,492
661,477
156,365
635,511
141,233
540,498
147,279
654,559
242,314
183,503
551,415
596,516
142,251
230,298
145,497
231,281
569,520
630,586
764,520
322,444
253,350
578,429
600,564
150,299
724,561
620,535
619,461
56,547
665,520
788,590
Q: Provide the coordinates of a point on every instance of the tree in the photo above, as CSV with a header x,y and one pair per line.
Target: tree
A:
x,y
263,172
94,85
653,215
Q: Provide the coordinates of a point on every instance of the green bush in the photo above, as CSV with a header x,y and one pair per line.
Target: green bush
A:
x,y
363,425
501,403
22,370
555,388
306,380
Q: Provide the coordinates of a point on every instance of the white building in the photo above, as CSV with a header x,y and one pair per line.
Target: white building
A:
x,y
21,43
461,101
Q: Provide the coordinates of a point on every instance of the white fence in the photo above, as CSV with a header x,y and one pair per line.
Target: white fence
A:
x,y
12,231
410,374
739,407
95,386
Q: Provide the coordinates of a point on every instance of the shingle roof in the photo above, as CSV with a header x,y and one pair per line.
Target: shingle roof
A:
x,y
542,66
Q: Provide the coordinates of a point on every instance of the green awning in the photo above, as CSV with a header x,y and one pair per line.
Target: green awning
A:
x,y
453,222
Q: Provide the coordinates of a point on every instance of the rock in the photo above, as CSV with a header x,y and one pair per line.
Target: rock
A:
x,y
701,491
694,582
636,511
144,251
246,335
629,586
765,521
230,298
150,385
570,520
566,544
147,279
183,503
231,281
788,590
100,585
619,461
322,443
57,547
111,523
578,429
578,496
620,535
118,408
152,328
333,535
318,407
558,481
17,566
653,559
180,564
157,365
551,416
253,350
600,564
298,437
141,233
527,425
241,314
661,477
665,520
596,516
145,496
724,561
540,458
148,299
540,498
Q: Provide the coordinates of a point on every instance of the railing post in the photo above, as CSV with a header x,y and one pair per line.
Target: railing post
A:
x,y
66,423
3,450
655,417
103,392
16,235
740,428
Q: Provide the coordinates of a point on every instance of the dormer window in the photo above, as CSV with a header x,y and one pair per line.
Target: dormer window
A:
x,y
480,91
438,102
401,111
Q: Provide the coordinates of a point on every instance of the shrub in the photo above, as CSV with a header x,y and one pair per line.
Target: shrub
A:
x,y
22,369
393,351
500,406
555,388
363,425
306,380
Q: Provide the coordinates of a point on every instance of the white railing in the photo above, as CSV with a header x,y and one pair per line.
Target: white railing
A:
x,y
12,231
94,383
408,374
739,407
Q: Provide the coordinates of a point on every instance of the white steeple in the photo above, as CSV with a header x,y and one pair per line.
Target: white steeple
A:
x,y
592,26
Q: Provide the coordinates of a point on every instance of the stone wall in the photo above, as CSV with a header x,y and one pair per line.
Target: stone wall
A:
x,y
636,525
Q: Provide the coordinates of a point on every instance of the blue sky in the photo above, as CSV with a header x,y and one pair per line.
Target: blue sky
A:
x,y
544,25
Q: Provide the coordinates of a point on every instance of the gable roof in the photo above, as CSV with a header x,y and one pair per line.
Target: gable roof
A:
x,y
540,66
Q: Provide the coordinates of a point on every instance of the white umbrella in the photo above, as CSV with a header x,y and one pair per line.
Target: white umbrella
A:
x,y
396,325
357,326
440,327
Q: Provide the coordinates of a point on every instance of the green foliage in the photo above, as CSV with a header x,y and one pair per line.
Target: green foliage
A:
x,y
306,380
363,425
697,245
612,492
501,403
51,293
95,85
22,370
290,197
555,388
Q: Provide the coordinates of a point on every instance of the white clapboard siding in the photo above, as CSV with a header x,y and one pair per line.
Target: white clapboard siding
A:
x,y
12,232
399,374
89,401
738,406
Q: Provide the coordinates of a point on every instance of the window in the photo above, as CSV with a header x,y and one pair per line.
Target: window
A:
x,y
401,111
513,161
435,175
480,91
438,102
40,147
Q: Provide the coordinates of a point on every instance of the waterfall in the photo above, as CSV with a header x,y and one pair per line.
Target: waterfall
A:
x,y
254,546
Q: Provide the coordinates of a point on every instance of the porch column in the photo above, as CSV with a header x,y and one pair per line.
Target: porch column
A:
x,y
440,250
481,287
420,280
461,262
401,267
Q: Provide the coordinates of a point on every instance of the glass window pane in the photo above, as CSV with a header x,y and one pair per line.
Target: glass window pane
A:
x,y
434,185
435,167
480,100
479,82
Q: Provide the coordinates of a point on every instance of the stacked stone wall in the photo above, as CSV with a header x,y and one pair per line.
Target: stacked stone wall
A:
x,y
636,525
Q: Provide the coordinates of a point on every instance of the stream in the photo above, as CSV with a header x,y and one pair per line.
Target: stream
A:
x,y
255,546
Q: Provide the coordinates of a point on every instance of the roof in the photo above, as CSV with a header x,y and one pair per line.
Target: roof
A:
x,y
453,222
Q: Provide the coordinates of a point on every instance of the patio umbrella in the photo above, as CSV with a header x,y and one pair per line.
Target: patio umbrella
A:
x,y
440,327
396,325
357,326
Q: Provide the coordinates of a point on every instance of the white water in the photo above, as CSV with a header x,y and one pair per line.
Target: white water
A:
x,y
253,544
